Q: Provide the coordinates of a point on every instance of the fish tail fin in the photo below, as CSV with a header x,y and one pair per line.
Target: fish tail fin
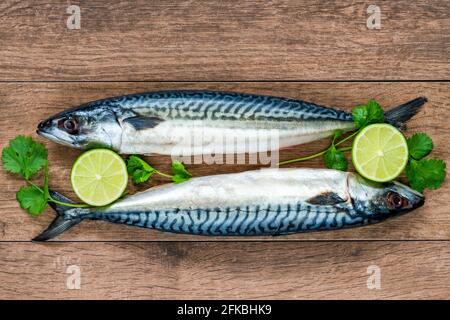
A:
x,y
398,116
60,223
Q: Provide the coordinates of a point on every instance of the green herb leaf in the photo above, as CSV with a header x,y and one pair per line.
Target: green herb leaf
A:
x,y
368,114
180,174
32,200
24,156
139,170
419,145
337,134
426,174
335,159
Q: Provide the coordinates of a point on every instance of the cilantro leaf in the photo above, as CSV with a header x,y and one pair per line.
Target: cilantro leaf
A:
x,y
335,159
337,134
32,200
426,174
140,176
24,156
139,170
367,114
180,174
419,145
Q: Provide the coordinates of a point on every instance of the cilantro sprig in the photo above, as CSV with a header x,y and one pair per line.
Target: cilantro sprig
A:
x,y
140,171
334,157
32,200
421,173
367,114
24,156
419,145
27,158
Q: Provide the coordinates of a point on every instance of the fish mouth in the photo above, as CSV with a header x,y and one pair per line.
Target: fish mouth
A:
x,y
43,128
421,202
46,135
415,204
42,131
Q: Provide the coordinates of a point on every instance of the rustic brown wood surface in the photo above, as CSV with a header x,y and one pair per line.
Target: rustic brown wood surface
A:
x,y
163,270
46,68
224,40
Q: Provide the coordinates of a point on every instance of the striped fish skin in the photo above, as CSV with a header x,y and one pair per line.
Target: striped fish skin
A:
x,y
159,122
258,203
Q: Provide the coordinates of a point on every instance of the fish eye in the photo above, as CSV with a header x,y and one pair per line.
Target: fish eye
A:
x,y
70,125
395,201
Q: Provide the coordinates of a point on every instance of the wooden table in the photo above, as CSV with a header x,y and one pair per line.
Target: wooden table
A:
x,y
312,50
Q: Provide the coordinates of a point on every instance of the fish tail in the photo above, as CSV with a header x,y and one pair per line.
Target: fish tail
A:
x,y
398,116
61,223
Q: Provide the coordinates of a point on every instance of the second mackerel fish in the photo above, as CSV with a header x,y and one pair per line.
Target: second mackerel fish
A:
x,y
252,203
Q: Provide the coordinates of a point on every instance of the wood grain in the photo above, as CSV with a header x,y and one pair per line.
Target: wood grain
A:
x,y
224,40
327,270
24,105
46,68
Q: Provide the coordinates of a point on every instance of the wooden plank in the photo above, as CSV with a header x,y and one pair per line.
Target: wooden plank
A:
x,y
24,105
324,270
226,40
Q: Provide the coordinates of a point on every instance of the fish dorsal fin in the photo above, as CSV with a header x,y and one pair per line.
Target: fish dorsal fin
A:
x,y
326,198
143,122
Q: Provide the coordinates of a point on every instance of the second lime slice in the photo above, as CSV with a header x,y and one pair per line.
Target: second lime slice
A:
x,y
380,152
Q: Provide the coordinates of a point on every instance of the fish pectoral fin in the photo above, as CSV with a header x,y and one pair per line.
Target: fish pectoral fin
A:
x,y
143,122
326,198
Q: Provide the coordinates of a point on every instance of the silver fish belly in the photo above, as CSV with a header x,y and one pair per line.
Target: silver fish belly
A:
x,y
262,202
204,122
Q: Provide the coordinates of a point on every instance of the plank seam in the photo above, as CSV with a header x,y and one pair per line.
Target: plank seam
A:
x,y
227,241
231,81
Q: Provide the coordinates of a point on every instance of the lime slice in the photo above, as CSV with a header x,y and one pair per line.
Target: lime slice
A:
x,y
380,152
99,177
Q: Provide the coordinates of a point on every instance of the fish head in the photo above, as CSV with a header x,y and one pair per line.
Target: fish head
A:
x,y
380,201
85,127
